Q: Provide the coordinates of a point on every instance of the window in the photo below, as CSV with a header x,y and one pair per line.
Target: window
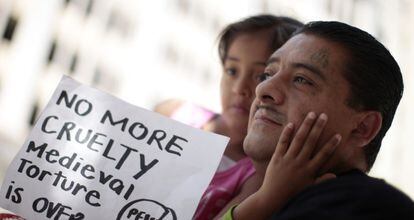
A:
x,y
73,63
33,113
89,7
52,51
10,28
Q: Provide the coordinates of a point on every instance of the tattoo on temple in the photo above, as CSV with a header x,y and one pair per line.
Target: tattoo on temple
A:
x,y
321,58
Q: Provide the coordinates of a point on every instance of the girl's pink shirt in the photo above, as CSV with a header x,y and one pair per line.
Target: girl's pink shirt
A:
x,y
223,187
225,184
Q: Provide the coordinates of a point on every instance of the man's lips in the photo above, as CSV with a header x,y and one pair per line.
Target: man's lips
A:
x,y
269,116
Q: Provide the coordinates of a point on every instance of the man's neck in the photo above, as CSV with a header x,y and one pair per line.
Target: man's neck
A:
x,y
338,165
260,168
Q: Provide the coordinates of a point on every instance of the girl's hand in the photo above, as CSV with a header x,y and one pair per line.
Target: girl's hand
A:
x,y
295,164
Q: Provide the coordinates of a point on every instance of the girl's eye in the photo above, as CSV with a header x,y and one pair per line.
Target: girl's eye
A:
x,y
301,80
231,71
264,76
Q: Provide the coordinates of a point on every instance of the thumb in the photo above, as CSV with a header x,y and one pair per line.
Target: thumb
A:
x,y
324,177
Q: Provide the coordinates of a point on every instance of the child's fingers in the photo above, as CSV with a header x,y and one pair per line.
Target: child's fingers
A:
x,y
325,152
301,135
284,139
313,137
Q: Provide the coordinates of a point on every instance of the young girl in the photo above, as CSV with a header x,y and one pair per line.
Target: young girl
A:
x,y
244,48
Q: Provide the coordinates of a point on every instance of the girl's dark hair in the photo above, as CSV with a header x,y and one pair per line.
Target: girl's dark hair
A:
x,y
281,28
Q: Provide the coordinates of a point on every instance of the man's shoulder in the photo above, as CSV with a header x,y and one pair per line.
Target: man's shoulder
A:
x,y
360,185
356,187
351,195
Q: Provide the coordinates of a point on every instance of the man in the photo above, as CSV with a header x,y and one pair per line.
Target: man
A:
x,y
338,72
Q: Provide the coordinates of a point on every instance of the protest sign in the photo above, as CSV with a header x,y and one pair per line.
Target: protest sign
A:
x,y
93,156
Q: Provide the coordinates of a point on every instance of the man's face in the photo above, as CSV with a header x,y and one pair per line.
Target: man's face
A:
x,y
306,74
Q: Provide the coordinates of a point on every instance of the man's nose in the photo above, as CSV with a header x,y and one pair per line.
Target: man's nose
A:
x,y
271,90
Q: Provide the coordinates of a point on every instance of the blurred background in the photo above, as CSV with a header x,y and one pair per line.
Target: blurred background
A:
x,y
147,51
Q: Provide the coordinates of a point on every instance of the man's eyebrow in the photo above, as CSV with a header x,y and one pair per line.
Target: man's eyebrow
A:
x,y
272,60
311,68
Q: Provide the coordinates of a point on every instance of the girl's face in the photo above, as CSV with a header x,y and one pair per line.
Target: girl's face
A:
x,y
242,71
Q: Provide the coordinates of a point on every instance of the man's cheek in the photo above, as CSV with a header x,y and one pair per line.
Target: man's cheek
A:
x,y
297,120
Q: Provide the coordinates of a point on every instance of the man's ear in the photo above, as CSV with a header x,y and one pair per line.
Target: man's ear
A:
x,y
368,125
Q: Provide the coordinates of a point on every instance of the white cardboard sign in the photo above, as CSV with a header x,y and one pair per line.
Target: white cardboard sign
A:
x,y
93,156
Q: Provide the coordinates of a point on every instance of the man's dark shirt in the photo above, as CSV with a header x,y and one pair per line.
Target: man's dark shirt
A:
x,y
353,196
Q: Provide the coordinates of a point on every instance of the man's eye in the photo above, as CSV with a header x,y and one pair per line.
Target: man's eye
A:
x,y
301,80
231,71
264,76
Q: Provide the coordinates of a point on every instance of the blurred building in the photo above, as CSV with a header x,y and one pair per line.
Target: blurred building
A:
x,y
141,51
148,51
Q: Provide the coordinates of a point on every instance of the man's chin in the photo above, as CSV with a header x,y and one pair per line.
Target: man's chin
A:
x,y
258,148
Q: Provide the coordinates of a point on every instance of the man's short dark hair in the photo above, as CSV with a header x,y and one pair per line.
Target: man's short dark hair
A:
x,y
373,74
281,29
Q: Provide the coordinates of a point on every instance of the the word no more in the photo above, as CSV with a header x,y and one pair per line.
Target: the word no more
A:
x,y
137,130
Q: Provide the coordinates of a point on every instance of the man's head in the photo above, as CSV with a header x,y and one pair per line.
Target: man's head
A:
x,y
333,68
